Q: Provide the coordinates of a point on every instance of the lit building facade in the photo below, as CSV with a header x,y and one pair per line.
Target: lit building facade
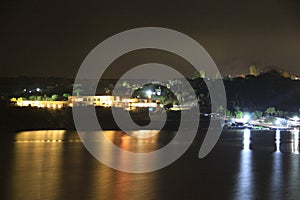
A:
x,y
42,104
102,101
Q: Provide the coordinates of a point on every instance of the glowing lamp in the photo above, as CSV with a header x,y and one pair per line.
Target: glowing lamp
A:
x,y
149,93
246,118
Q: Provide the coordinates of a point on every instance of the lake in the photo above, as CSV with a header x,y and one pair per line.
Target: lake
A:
x,y
244,164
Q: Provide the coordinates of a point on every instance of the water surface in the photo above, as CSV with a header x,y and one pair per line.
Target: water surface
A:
x,y
244,165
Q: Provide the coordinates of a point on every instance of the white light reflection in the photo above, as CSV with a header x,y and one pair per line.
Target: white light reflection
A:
x,y
245,179
277,139
246,139
295,147
277,171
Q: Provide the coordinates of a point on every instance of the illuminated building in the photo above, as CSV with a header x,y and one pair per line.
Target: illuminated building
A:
x,y
105,101
42,104
102,101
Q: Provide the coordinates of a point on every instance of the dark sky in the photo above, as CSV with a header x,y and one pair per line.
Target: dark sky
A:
x,y
51,38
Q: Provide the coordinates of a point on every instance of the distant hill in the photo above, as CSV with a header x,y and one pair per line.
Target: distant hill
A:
x,y
269,89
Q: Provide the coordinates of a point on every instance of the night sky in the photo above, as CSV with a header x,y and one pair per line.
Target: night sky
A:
x,y
51,38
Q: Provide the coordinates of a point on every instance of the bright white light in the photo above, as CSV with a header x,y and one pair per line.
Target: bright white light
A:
x,y
149,93
246,139
246,118
296,132
296,141
38,89
277,138
296,118
278,122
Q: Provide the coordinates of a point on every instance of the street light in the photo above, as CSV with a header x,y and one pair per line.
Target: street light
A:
x,y
246,118
149,93
278,122
296,118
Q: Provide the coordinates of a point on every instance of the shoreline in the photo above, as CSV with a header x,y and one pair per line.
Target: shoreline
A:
x,y
16,119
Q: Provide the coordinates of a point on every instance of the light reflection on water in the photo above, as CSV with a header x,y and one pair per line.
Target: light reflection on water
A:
x,y
265,175
295,146
280,178
288,143
277,139
245,177
55,165
246,139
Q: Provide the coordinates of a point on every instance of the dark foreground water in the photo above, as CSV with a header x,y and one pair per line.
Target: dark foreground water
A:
x,y
243,165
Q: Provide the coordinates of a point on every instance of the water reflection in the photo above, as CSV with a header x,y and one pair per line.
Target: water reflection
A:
x,y
295,145
293,174
271,141
147,143
62,168
260,168
289,141
277,170
277,140
55,165
245,176
246,139
46,136
44,160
